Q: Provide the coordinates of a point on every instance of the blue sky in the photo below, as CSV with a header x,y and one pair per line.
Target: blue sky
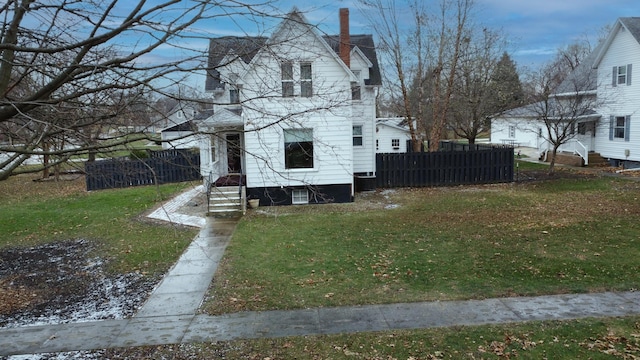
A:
x,y
535,28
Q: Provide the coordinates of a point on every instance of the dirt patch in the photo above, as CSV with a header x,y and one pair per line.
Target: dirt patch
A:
x,y
61,283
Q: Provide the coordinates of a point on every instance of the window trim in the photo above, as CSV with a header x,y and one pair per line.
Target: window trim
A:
x,y
615,129
286,78
621,75
297,199
306,83
234,99
395,144
357,136
305,144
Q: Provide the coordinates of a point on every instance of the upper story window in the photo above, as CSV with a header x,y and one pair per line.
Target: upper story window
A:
x,y
621,75
356,92
287,79
306,82
357,135
234,96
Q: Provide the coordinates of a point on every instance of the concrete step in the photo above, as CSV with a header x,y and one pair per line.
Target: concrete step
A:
x,y
596,159
225,201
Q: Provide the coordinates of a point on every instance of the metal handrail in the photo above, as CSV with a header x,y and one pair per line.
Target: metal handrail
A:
x,y
209,182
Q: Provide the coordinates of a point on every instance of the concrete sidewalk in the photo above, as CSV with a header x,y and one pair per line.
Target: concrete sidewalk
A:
x,y
170,314
167,329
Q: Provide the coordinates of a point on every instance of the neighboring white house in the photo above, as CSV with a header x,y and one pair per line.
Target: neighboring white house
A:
x,y
294,113
392,135
612,127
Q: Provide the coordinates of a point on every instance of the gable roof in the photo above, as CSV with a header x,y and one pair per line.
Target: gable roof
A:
x,y
247,47
183,126
632,24
584,78
364,42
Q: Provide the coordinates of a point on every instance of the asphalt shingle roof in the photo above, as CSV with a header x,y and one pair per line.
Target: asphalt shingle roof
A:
x,y
247,47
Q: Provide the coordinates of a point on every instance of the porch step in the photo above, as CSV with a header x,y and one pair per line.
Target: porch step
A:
x,y
226,201
595,159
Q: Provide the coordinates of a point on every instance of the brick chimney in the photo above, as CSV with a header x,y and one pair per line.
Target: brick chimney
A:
x,y
345,41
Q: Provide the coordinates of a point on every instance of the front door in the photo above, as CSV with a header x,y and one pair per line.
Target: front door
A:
x,y
234,151
587,134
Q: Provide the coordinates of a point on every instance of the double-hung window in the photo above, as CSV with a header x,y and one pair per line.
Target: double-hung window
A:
x,y
286,69
306,81
621,75
395,144
357,135
234,96
619,127
298,148
356,90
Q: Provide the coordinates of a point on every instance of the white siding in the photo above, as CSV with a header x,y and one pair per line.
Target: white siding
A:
x,y
364,157
386,133
621,100
526,131
179,140
328,112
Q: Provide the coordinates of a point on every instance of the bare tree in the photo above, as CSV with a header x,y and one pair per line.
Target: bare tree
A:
x,y
66,66
422,57
481,87
405,52
569,108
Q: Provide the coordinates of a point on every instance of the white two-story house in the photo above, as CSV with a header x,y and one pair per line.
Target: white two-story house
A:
x,y
612,127
294,113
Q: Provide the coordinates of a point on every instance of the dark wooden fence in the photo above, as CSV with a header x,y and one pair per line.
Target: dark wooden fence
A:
x,y
480,166
160,167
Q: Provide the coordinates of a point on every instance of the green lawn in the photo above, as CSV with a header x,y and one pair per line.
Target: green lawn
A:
x,y
560,236
40,212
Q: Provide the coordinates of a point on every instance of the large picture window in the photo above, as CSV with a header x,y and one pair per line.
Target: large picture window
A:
x,y
298,148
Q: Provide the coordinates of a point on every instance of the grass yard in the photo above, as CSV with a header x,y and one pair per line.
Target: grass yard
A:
x,y
38,212
568,235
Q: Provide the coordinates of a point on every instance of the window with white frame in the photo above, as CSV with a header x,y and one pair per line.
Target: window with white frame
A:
x,y
621,75
300,196
395,144
306,81
286,69
357,135
234,96
298,148
356,89
512,131
619,127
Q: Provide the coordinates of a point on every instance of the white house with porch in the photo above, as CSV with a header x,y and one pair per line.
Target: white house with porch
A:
x,y
294,114
612,127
